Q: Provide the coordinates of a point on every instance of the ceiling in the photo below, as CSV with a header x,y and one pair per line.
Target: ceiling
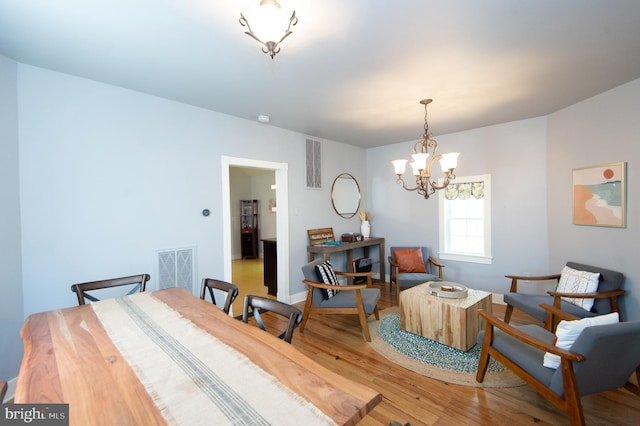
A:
x,y
352,71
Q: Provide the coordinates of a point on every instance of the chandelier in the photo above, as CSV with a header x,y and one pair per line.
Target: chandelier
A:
x,y
269,27
423,161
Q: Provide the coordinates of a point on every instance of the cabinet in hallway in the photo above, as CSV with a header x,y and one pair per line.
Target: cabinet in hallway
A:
x,y
249,229
270,253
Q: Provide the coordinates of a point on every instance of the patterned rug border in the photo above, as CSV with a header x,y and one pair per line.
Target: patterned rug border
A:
x,y
501,379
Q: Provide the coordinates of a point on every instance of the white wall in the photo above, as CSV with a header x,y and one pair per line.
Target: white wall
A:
x,y
240,189
109,176
599,130
514,155
11,302
261,190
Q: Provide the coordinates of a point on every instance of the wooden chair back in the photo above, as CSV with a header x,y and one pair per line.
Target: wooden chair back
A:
x,y
211,284
253,305
138,283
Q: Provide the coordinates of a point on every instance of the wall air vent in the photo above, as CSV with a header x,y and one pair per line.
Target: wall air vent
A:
x,y
314,164
176,269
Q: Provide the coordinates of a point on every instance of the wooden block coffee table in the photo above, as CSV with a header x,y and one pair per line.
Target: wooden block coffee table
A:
x,y
452,322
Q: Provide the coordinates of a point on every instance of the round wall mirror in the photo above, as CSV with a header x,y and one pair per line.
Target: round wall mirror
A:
x,y
345,195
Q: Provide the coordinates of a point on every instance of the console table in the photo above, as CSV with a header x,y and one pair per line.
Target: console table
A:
x,y
326,250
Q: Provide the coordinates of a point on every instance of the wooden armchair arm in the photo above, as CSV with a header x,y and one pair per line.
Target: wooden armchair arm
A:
x,y
334,287
596,295
559,313
515,278
356,274
612,295
438,265
493,321
369,276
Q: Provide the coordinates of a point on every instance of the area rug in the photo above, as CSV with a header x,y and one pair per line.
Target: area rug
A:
x,y
432,359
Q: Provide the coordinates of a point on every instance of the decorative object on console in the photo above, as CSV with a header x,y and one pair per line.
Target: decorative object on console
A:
x,y
269,26
422,164
599,195
365,226
320,236
351,237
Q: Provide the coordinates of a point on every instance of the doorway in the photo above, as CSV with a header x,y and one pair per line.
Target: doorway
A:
x,y
256,167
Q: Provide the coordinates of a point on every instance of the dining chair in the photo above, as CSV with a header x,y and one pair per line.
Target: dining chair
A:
x,y
253,305
138,283
572,298
210,284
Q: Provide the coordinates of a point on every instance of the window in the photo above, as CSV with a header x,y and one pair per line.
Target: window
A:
x,y
465,220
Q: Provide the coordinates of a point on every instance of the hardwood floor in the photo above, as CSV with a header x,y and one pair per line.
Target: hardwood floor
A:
x,y
336,342
248,275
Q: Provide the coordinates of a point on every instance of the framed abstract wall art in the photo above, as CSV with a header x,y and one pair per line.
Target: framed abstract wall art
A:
x,y
599,195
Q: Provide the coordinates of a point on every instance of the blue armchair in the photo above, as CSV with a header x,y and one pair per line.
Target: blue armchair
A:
x,y
602,358
606,296
355,299
403,280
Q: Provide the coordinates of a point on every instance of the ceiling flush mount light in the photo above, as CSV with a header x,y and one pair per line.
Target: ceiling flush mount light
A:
x,y
269,26
423,161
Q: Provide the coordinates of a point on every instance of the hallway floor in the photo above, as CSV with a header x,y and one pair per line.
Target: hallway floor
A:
x,y
248,275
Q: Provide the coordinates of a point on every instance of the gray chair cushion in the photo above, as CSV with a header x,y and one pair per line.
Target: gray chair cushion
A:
x,y
529,358
530,304
347,299
413,279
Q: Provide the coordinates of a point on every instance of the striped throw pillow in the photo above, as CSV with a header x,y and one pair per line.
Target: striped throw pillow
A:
x,y
327,275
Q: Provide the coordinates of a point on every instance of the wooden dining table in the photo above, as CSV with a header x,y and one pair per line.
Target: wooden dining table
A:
x,y
108,373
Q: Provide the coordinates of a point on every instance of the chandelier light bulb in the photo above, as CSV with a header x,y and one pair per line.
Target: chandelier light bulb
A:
x,y
420,159
399,166
449,161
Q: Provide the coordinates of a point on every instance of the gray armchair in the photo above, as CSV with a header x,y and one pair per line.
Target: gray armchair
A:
x,y
602,358
355,299
403,280
609,289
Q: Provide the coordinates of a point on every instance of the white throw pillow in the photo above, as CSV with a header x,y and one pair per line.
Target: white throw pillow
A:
x,y
574,281
568,331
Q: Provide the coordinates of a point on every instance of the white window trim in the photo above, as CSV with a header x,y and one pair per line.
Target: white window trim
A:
x,y
487,258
